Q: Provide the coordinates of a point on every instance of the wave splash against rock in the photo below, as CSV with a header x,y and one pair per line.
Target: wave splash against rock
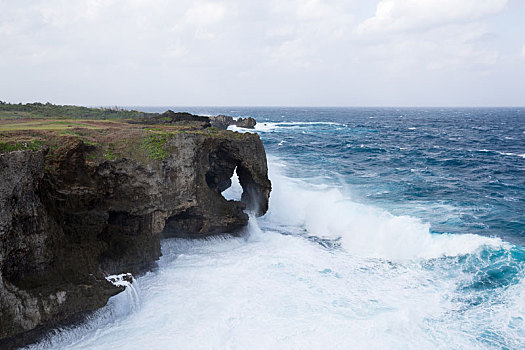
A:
x,y
69,220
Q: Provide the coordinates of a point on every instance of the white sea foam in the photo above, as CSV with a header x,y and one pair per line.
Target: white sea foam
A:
x,y
266,127
241,130
234,192
276,287
121,280
131,293
502,153
365,230
273,291
273,126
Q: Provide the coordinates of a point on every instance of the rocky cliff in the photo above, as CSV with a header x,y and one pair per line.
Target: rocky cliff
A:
x,y
71,218
222,122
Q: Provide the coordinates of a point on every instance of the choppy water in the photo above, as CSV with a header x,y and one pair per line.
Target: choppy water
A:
x,y
388,228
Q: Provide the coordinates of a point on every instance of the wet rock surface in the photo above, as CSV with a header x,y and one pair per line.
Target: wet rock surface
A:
x,y
248,123
222,122
64,228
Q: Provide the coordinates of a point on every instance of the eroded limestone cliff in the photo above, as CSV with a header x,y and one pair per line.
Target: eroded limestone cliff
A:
x,y
68,221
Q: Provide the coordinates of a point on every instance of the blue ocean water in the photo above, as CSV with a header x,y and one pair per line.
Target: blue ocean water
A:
x,y
462,170
388,228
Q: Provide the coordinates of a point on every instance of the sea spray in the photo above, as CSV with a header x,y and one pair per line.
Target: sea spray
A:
x,y
119,307
349,255
234,192
273,291
367,231
267,289
131,290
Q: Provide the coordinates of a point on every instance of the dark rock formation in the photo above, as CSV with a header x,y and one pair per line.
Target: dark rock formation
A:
x,y
222,122
45,276
248,123
174,117
65,226
170,117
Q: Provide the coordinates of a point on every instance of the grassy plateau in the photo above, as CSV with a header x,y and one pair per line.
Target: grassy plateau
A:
x,y
113,132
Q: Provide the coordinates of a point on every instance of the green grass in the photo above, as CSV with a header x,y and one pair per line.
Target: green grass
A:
x,y
112,132
50,124
48,110
154,145
110,155
32,145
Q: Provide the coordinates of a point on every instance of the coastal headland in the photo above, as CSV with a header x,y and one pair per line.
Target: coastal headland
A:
x,y
87,193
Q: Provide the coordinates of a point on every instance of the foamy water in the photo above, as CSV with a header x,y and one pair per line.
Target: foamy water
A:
x,y
387,229
364,230
318,271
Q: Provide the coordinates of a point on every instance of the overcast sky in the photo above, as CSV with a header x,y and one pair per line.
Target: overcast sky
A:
x,y
263,53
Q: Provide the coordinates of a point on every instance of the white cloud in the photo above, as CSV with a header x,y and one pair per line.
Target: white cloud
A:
x,y
307,33
307,10
202,16
251,52
408,15
523,51
443,35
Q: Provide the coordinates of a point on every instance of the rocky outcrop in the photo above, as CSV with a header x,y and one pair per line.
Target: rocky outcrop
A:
x,y
222,122
170,117
66,225
45,276
248,123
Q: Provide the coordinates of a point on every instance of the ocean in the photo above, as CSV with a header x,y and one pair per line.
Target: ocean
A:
x,y
388,228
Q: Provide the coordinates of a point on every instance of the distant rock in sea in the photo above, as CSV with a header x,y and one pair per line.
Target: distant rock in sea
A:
x,y
248,123
223,121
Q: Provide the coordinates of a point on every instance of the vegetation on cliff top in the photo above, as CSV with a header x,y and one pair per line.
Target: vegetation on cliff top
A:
x,y
113,133
48,110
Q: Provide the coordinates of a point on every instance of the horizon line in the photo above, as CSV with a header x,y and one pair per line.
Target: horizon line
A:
x,y
327,106
269,106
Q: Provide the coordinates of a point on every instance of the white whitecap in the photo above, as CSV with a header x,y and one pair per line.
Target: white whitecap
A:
x,y
364,230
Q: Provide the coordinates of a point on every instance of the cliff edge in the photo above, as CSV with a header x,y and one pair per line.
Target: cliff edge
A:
x,y
89,201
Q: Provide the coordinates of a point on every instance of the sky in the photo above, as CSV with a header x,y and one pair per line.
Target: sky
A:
x,y
263,53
